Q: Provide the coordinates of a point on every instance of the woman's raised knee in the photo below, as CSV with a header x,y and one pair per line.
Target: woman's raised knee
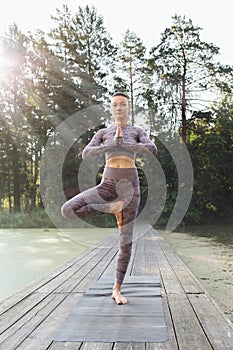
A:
x,y
67,212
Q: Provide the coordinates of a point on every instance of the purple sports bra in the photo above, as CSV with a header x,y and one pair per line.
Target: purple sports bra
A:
x,y
134,140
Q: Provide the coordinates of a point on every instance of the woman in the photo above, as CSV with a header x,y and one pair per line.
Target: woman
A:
x,y
119,192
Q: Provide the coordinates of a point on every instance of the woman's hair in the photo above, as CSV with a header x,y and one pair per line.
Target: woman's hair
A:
x,y
120,93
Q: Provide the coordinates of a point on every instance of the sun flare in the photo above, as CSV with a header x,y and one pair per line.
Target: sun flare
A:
x,y
3,62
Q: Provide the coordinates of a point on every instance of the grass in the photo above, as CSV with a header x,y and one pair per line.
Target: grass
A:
x,y
35,219
220,233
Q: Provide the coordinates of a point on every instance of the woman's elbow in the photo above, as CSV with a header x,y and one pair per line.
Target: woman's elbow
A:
x,y
85,154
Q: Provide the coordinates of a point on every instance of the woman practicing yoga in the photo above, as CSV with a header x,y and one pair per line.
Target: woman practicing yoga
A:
x,y
119,192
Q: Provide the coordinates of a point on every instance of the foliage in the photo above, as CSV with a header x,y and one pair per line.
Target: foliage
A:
x,y
52,76
129,71
86,50
186,73
37,218
211,149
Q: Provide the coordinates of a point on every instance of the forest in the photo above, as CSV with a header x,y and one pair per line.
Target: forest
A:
x,y
178,86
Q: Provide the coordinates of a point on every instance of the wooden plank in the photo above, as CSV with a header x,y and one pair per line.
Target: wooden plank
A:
x,y
18,331
138,262
187,279
129,346
171,344
97,346
162,260
17,297
47,284
151,256
18,335
40,337
87,262
96,272
152,268
111,268
76,271
171,284
77,282
169,253
66,346
213,321
29,320
131,263
48,326
188,330
23,314
161,346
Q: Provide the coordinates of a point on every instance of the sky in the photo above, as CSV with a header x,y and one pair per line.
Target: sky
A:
x,y
146,18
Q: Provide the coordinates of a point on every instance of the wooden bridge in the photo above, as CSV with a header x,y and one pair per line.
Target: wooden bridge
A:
x,y
29,319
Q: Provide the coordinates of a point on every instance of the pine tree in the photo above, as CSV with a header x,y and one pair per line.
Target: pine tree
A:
x,y
14,126
187,76
129,70
85,47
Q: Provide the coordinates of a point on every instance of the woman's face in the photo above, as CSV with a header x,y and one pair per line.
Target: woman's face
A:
x,y
120,108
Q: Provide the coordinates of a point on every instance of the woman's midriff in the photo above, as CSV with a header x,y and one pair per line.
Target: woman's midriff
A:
x,y
120,162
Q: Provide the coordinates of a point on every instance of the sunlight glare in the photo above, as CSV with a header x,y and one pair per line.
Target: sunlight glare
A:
x,y
3,62
8,60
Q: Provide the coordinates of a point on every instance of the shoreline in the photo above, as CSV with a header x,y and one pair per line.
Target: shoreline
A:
x,y
210,261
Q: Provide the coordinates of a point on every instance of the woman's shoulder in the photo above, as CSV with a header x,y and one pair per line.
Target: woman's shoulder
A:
x,y
108,127
106,132
136,128
102,130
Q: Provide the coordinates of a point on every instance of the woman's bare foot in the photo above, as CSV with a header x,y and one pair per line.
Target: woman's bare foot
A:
x,y
116,208
117,296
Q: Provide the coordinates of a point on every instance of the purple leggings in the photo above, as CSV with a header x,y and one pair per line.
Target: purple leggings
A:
x,y
117,184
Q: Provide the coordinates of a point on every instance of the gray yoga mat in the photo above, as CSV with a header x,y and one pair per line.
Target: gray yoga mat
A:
x,y
97,318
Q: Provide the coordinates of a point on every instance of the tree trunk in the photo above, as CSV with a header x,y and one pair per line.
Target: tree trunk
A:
x,y
16,177
184,121
131,89
183,103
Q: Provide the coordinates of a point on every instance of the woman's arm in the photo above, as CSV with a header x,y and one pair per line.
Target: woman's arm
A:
x,y
95,146
144,144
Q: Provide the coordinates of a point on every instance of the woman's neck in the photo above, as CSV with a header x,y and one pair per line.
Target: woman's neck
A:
x,y
122,123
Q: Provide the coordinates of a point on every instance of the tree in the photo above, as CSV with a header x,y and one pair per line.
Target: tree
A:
x,y
186,74
212,155
26,96
84,46
14,126
129,68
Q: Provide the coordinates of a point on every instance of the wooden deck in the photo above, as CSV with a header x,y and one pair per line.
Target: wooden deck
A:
x,y
29,318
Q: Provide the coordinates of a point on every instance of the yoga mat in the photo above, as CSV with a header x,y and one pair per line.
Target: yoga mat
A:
x,y
97,318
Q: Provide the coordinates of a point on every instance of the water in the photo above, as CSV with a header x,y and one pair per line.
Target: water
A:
x,y
28,254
